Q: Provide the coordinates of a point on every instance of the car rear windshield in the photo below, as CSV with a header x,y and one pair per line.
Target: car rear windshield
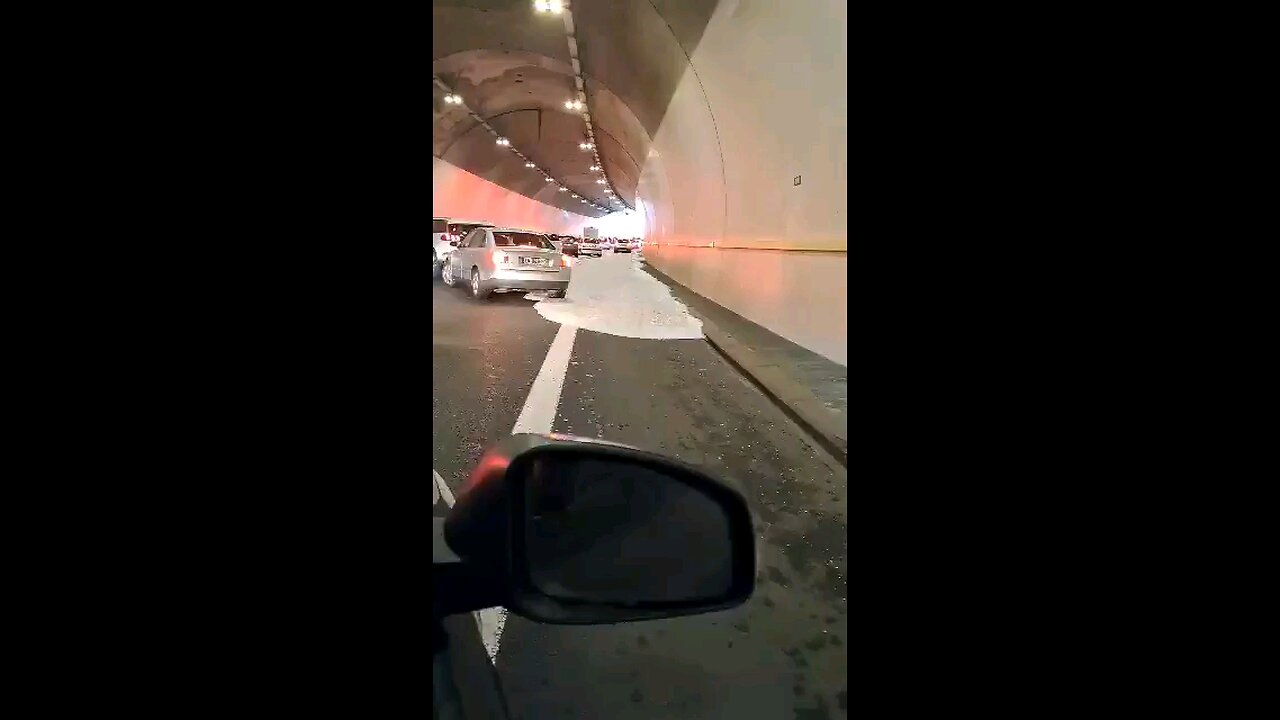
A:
x,y
514,239
438,226
464,228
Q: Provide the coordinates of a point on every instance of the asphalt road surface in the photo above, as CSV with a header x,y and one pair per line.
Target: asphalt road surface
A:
x,y
780,656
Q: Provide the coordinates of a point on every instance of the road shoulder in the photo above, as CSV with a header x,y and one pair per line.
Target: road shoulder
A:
x,y
792,377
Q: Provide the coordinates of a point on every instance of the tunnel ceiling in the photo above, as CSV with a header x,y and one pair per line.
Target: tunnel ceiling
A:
x,y
512,68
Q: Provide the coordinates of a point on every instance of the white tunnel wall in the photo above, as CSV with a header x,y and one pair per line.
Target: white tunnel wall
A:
x,y
773,75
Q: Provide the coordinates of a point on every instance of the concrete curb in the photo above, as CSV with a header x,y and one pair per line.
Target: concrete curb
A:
x,y
791,397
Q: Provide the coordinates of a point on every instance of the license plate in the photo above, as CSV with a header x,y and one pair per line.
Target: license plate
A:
x,y
534,261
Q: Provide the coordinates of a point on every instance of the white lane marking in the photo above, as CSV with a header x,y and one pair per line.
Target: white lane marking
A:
x,y
536,416
490,621
441,490
544,396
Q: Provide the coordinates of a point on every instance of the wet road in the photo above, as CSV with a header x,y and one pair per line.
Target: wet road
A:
x,y
781,656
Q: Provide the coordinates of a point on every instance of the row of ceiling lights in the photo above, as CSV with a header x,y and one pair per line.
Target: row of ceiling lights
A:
x,y
556,7
453,98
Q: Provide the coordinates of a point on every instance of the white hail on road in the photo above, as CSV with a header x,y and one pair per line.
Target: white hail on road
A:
x,y
613,295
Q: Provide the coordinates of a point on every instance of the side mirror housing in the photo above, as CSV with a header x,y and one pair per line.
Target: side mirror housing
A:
x,y
582,531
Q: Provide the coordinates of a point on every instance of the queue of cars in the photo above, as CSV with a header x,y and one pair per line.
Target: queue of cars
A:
x,y
493,259
487,259
595,247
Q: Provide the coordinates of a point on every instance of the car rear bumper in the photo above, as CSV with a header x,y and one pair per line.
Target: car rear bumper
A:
x,y
528,280
527,284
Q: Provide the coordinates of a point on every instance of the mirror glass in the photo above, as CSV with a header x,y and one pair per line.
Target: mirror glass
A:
x,y
603,530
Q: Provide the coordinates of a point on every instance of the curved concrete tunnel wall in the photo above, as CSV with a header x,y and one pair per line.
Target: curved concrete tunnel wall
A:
x,y
459,194
765,100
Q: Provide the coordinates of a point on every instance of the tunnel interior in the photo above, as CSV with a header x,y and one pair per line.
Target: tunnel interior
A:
x,y
515,67
715,130
719,127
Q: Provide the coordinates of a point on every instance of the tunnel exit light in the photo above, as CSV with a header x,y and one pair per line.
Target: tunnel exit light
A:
x,y
548,6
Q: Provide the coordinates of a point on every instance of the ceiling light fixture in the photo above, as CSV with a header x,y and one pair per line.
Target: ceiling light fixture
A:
x,y
573,105
529,165
548,6
503,142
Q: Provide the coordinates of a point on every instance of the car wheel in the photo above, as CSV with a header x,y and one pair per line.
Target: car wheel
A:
x,y
435,263
555,293
476,291
446,274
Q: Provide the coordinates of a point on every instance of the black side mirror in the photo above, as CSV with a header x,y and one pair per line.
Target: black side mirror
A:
x,y
584,532
453,243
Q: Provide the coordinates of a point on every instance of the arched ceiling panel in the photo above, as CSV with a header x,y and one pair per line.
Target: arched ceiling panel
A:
x,y
512,66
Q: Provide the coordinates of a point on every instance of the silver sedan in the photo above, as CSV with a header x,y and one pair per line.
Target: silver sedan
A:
x,y
490,260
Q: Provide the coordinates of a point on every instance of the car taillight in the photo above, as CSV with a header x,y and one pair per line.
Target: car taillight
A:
x,y
500,258
566,261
